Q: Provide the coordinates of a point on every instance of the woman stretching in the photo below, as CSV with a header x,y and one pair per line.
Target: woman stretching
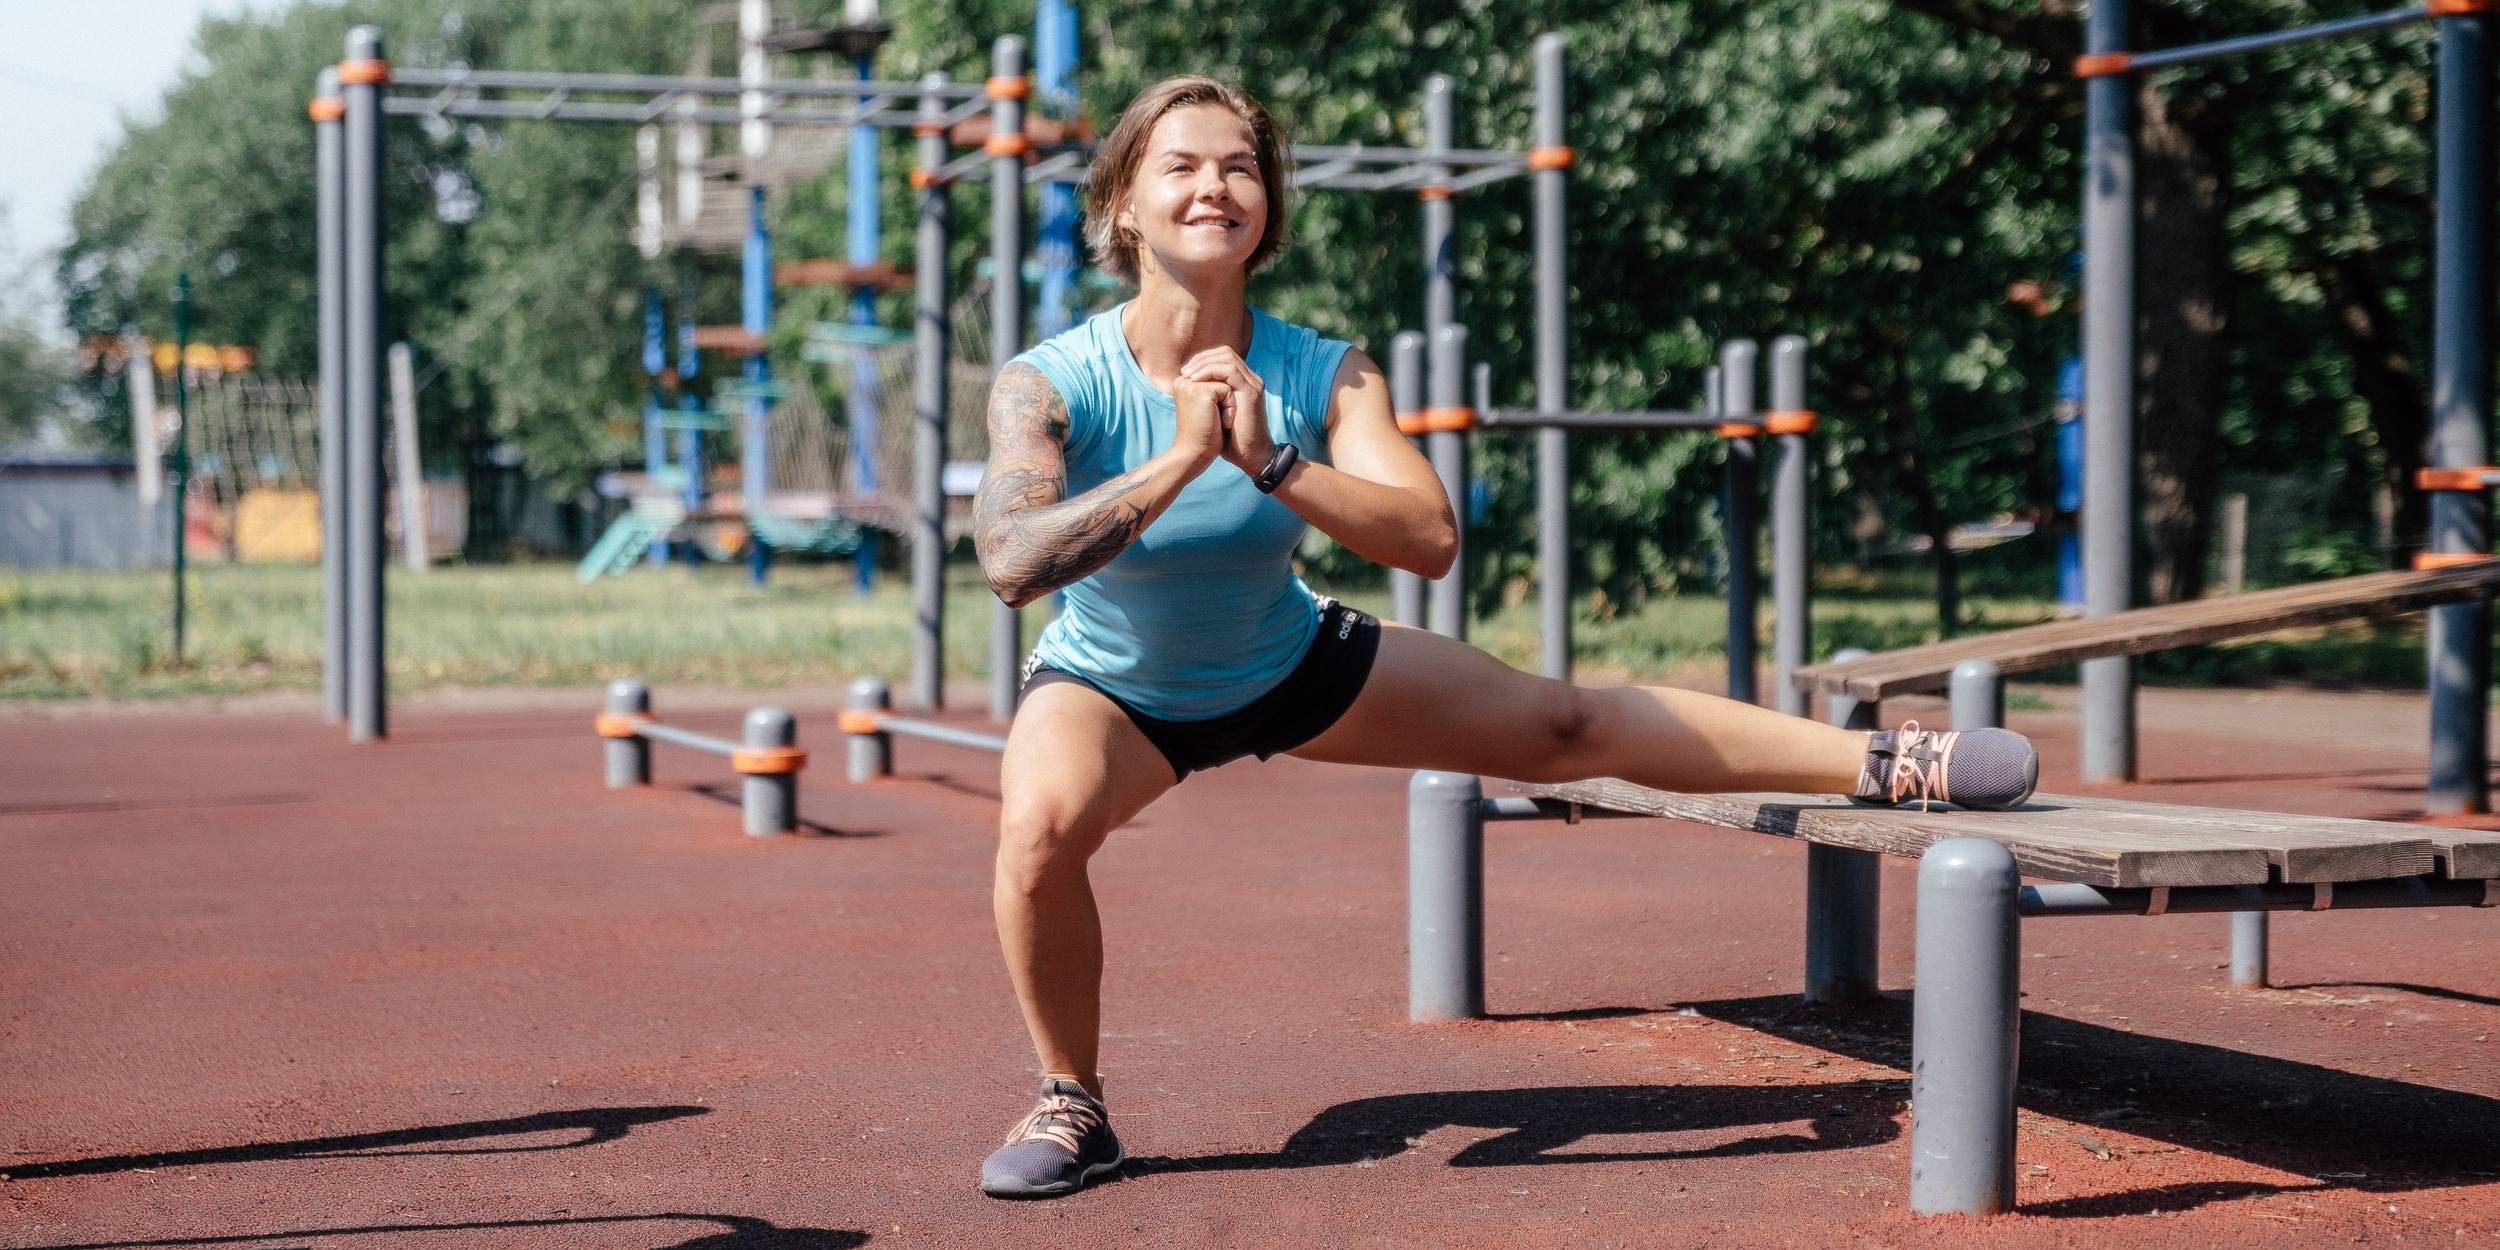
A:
x,y
1187,641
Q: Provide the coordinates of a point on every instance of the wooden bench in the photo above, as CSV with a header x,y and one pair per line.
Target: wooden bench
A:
x,y
1928,669
2097,857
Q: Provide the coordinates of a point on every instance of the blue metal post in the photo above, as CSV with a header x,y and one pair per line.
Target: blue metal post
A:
x,y
654,435
689,438
867,239
2459,637
1054,96
755,463
2070,481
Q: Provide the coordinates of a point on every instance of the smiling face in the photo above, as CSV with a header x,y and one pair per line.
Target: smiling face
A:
x,y
1197,203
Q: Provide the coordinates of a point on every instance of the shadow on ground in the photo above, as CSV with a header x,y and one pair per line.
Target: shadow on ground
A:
x,y
739,1232
2346,1129
1537,1125
596,1124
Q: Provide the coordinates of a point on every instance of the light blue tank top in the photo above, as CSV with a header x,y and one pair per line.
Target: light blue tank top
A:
x,y
1202,614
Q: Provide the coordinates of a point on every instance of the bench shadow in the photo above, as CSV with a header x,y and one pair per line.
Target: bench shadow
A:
x,y
738,1232
2426,991
730,796
595,1124
1537,1126
2344,1128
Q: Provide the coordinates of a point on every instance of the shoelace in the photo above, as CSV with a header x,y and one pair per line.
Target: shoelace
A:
x,y
1062,1119
1908,779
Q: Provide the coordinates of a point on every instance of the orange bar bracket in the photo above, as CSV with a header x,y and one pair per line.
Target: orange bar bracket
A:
x,y
768,759
359,73
326,109
851,721
1738,429
1007,145
619,724
1003,87
1552,158
1435,420
2474,478
1790,421
2460,8
2103,64
1436,191
923,179
2447,559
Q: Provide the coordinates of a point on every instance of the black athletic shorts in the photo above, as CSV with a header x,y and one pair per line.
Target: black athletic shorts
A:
x,y
1298,709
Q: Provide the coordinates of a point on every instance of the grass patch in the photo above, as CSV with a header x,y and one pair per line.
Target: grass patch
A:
x,y
257,628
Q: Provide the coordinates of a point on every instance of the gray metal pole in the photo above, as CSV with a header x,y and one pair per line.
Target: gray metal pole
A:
x,y
929,397
361,74
1741,509
871,751
1444,896
1844,895
1406,398
2459,634
329,229
1553,365
1006,317
1446,354
771,800
1965,1021
2108,391
628,759
1977,695
1446,388
1792,555
2248,949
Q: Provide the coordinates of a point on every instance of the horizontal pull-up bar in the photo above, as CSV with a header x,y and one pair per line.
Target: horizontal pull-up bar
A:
x,y
550,80
1531,419
2101,64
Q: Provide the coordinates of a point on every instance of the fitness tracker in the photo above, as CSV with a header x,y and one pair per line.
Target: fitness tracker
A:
x,y
1279,463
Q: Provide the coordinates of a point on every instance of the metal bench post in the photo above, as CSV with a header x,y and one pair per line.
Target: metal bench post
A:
x,y
871,748
629,756
1406,397
2248,949
771,798
1965,1025
1444,896
1844,895
1978,695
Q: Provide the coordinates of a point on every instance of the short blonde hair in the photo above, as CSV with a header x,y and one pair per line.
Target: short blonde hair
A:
x,y
1116,162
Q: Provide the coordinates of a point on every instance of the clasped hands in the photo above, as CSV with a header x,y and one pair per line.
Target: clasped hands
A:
x,y
1221,411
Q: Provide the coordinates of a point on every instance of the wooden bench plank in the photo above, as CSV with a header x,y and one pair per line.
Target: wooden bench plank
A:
x,y
2302,848
2466,854
1919,670
2046,840
2096,841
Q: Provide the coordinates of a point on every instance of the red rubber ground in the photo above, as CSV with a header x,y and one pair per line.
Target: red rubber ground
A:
x,y
258,987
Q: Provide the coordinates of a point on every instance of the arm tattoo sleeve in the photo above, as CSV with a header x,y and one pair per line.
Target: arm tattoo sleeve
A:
x,y
1032,541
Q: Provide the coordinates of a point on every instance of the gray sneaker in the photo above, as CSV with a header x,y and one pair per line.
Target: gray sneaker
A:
x,y
1065,1142
1986,769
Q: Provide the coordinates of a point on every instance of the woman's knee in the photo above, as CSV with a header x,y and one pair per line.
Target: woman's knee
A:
x,y
1038,843
1568,729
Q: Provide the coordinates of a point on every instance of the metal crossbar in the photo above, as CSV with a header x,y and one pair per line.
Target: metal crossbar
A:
x,y
463,93
2276,38
1531,419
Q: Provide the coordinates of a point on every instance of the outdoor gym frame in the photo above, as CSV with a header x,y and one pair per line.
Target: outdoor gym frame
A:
x,y
2459,651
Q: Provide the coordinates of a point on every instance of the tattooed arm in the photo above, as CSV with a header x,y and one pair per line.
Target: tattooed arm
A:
x,y
1032,539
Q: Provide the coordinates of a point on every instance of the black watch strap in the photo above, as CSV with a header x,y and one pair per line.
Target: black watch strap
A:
x,y
1279,463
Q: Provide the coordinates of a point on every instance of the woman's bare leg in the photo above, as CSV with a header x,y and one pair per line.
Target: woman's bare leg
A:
x,y
1432,702
1075,770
